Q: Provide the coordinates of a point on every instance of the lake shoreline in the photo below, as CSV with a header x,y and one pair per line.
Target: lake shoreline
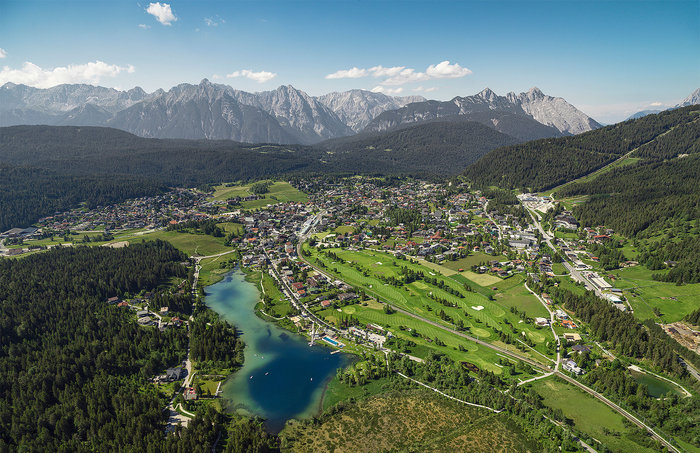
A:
x,y
282,377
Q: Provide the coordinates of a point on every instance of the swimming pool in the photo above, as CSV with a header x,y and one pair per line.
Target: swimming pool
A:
x,y
332,341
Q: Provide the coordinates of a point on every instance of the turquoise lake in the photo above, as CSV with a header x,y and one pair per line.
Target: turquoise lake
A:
x,y
282,377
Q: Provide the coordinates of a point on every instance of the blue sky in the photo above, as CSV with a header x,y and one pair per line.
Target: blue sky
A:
x,y
608,58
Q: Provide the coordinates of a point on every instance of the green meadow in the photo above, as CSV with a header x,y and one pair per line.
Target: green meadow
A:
x,y
481,316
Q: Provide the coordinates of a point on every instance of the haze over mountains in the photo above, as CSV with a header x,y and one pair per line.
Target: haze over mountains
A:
x,y
692,99
282,116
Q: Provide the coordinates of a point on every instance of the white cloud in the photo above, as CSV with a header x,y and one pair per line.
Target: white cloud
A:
x,y
35,76
421,89
442,70
445,70
656,104
213,22
381,71
405,76
144,26
399,75
353,73
162,12
385,90
3,53
260,77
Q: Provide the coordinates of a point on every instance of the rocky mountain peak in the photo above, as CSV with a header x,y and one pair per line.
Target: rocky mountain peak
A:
x,y
487,94
692,99
535,92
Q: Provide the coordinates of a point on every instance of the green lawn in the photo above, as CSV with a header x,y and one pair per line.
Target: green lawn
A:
x,y
519,297
481,316
191,244
589,415
213,269
472,260
279,192
231,227
278,306
645,294
481,356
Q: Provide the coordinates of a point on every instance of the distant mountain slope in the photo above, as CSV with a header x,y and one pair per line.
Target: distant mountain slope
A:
x,y
204,111
642,113
301,115
554,116
285,115
104,151
357,108
440,147
64,98
692,99
544,164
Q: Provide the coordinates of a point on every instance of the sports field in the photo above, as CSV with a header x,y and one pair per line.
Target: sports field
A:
x,y
480,316
191,244
279,192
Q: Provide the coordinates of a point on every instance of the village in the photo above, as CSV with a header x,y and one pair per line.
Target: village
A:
x,y
449,231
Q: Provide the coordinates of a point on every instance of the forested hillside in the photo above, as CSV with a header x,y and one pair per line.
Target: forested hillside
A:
x,y
658,194
27,194
544,164
441,147
48,169
71,365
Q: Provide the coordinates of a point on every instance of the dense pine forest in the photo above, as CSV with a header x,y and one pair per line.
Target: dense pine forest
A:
x,y
439,147
633,339
27,194
544,164
74,369
49,169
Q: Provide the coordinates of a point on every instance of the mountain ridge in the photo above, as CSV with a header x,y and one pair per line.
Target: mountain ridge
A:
x,y
285,115
546,110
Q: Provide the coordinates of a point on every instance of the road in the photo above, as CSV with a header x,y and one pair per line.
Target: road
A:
x,y
516,356
577,276
486,210
691,369
551,326
574,273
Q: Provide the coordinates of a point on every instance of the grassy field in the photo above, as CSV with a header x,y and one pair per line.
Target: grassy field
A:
x,y
231,227
521,299
481,356
472,260
337,391
481,316
416,420
645,294
589,415
191,244
449,269
278,305
280,192
212,270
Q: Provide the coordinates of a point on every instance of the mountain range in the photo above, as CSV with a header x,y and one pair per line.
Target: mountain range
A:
x,y
525,116
282,116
